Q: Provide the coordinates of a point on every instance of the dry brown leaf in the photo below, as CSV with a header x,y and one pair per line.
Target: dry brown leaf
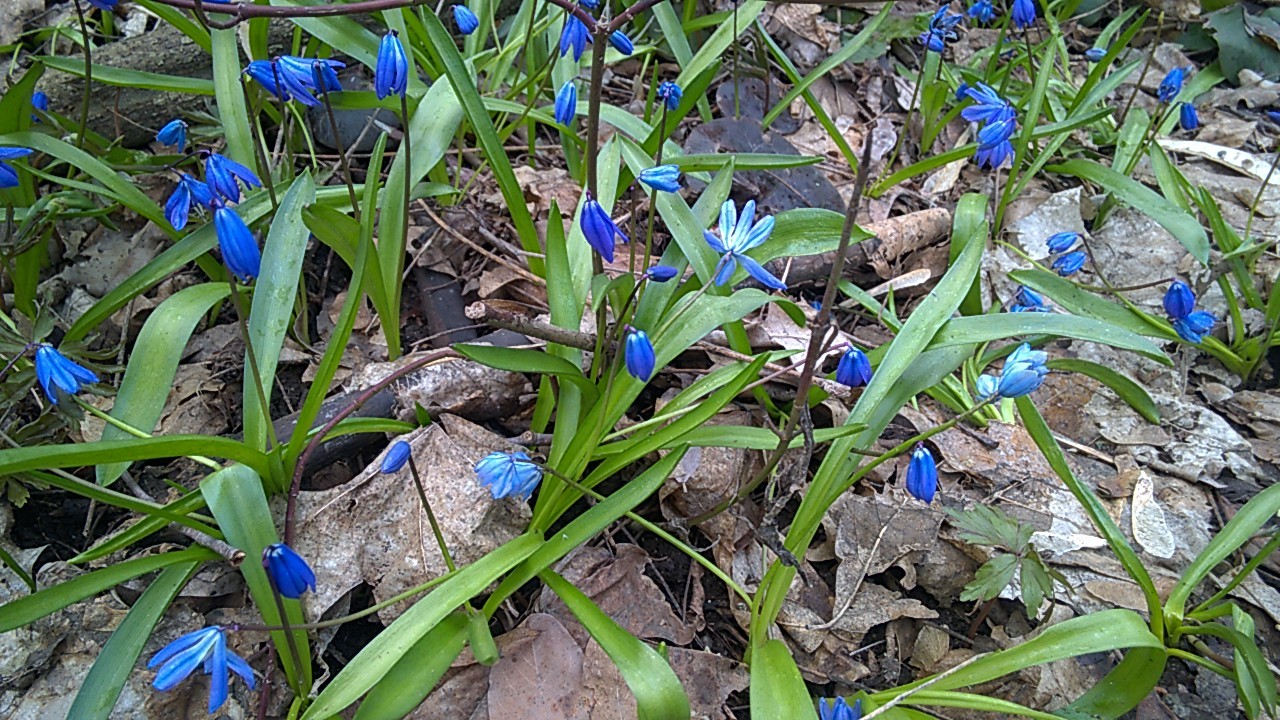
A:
x,y
539,679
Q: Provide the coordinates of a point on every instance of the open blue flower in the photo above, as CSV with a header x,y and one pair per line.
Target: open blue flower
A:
x,y
1028,300
391,75
239,249
737,236
1023,372
396,457
221,173
57,373
982,11
1194,326
289,573
661,177
922,474
1190,324
208,648
314,74
508,474
1095,54
669,93
177,210
1171,85
639,354
466,20
173,134
988,106
573,37
854,368
941,29
1188,118
1070,263
8,174
1024,13
567,102
621,42
599,229
839,710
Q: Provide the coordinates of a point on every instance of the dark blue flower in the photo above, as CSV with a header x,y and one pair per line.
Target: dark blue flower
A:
x,y
839,710
599,229
922,474
1095,54
314,74
1062,242
178,208
573,37
932,41
661,177
221,173
962,91
567,103
982,11
39,102
290,574
621,42
9,174
987,386
173,134
1189,323
1171,85
1188,118
1023,372
239,249
508,474
55,372
661,273
941,29
989,107
265,73
669,93
1193,327
466,20
639,354
994,146
1179,300
207,648
854,368
104,5
737,236
1024,13
1028,300
1070,263
396,457
392,72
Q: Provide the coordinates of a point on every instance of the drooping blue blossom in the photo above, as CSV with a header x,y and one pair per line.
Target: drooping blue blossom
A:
x,y
39,102
621,42
994,146
1190,324
266,74
737,236
239,249
573,37
8,173
639,354
988,106
1193,327
1171,85
1095,54
1188,118
283,82
289,573
56,372
941,29
669,93
567,102
313,74
466,20
854,368
839,709
1179,299
661,177
508,474
599,229
173,134
205,648
1028,300
177,210
1023,372
104,5
1070,263
932,41
986,386
1062,242
922,474
661,273
1024,13
396,457
221,173
982,11
391,76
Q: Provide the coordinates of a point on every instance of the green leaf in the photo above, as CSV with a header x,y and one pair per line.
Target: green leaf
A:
x,y
741,161
1128,390
776,683
985,328
1179,223
1255,684
986,525
1037,584
524,360
658,693
229,97
1082,302
153,363
411,679
1123,688
993,576
130,78
45,457
342,233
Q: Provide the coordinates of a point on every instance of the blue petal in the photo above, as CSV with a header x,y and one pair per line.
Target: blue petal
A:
x,y
757,234
178,665
178,208
728,221
714,242
727,267
757,271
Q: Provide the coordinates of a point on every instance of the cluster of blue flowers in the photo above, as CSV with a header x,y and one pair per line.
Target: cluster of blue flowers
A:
x,y
1027,300
840,710
1067,261
999,123
1023,372
1190,324
57,373
943,23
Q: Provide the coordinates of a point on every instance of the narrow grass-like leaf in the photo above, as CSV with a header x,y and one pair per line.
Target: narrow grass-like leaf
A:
x,y
776,684
154,520
411,679
229,96
985,328
1082,302
130,78
528,361
1128,390
44,457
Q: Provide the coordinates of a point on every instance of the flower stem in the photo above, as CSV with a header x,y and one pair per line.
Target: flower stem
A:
x,y
126,427
86,97
431,516
337,144
288,635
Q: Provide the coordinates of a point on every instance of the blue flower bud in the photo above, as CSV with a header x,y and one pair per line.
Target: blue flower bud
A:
x,y
239,249
567,103
1095,54
987,386
1171,85
1062,242
1179,300
9,174
839,710
56,373
173,134
599,229
466,20
290,574
854,368
661,273
639,355
670,94
661,177
508,474
391,76
1028,300
922,474
1188,118
221,173
396,457
573,38
1023,372
1070,263
207,649
1024,13
621,42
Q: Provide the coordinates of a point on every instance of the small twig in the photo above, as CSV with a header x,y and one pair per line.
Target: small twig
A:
x,y
488,314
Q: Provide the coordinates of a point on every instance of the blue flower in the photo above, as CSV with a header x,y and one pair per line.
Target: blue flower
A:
x,y
104,5
392,72
508,474
1273,116
932,41
1095,54
265,73
1062,242
207,648
8,174
661,273
567,103
1193,327
311,73
1188,118
621,42
1179,299
839,710
396,457
1171,85
573,37
922,474
989,107
994,146
1023,12
599,229
854,368
290,574
466,20
239,249
589,4
639,355
40,102
221,173
1070,263
661,177
55,373
987,386
941,29
982,11
173,134
737,236
1027,300
669,93
1189,323
1024,371
178,208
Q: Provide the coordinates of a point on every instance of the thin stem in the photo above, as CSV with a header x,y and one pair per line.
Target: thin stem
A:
x,y
431,516
288,634
337,144
88,78
260,147
126,427
334,622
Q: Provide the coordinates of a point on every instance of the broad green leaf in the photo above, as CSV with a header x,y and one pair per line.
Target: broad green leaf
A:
x,y
130,78
1128,390
1123,688
229,97
985,328
993,576
776,683
1082,302
45,457
525,360
411,679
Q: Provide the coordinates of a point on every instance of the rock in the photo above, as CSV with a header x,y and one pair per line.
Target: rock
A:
x,y
15,14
